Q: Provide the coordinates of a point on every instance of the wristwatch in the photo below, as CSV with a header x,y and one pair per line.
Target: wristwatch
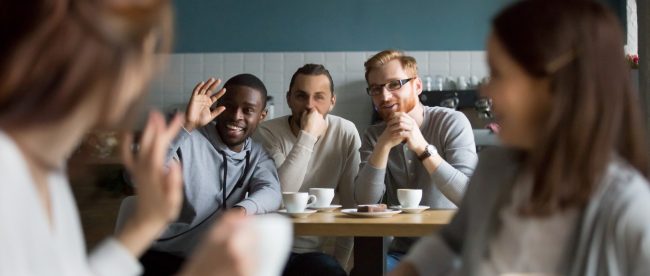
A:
x,y
429,150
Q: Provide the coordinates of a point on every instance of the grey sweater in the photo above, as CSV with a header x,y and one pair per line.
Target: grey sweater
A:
x,y
447,130
201,154
612,236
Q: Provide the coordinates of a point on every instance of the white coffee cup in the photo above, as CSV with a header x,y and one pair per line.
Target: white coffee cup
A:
x,y
271,253
297,202
324,196
409,198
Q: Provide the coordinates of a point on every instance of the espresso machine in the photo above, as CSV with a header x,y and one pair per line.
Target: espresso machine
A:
x,y
477,109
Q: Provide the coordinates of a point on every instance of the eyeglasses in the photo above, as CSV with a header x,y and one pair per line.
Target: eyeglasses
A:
x,y
378,89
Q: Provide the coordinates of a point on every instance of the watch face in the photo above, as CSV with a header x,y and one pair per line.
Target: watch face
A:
x,y
427,149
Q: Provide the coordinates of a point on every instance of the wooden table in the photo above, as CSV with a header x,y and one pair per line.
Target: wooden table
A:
x,y
369,233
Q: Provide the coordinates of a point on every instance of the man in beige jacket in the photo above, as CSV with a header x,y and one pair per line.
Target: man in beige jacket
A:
x,y
314,149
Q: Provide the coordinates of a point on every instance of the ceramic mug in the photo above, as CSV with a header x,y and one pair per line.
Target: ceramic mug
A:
x,y
324,196
271,253
409,198
297,202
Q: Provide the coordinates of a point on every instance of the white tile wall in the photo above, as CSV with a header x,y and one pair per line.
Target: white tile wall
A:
x,y
172,87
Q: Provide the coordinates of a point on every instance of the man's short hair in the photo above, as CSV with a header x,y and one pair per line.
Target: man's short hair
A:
x,y
248,80
408,62
311,69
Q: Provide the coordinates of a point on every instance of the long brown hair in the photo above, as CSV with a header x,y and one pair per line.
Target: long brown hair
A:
x,y
595,115
54,52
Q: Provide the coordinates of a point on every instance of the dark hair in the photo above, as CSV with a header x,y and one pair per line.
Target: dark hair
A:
x,y
248,80
578,46
62,50
311,69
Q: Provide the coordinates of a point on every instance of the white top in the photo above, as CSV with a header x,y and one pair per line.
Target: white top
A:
x,y
528,244
29,245
611,234
522,245
304,162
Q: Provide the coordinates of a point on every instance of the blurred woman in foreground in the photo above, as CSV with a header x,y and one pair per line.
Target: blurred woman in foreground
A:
x,y
568,194
67,67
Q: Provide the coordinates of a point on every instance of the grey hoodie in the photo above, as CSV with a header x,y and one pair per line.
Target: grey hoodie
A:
x,y
201,154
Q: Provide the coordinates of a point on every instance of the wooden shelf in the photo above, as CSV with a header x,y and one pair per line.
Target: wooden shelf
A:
x,y
83,158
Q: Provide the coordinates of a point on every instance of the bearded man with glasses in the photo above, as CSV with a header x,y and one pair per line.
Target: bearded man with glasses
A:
x,y
414,147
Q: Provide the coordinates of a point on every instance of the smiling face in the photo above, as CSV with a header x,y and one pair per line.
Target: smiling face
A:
x,y
310,92
521,103
244,110
400,100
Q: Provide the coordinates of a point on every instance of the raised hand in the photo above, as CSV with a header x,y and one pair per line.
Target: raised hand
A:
x,y
313,122
199,110
159,188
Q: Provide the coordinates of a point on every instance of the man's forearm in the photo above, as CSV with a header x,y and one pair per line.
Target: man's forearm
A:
x,y
262,200
379,157
369,186
432,163
450,181
293,169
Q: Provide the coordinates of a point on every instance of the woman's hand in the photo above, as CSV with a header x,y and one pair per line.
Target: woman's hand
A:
x,y
159,188
404,269
225,249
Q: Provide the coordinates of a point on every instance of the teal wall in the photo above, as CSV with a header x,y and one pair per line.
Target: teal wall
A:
x,y
332,25
335,25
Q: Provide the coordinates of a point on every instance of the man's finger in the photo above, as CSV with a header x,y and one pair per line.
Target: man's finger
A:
x,y
394,121
405,125
206,86
198,88
214,85
217,111
216,96
396,131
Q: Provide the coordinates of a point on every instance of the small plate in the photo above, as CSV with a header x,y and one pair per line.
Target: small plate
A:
x,y
386,214
327,209
414,210
302,214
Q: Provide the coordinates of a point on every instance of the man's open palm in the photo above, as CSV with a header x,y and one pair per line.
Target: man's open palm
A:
x,y
199,109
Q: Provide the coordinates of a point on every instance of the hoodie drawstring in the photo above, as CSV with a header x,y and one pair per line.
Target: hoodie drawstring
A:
x,y
240,183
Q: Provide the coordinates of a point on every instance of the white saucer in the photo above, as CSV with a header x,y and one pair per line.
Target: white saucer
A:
x,y
302,214
386,214
413,210
327,209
